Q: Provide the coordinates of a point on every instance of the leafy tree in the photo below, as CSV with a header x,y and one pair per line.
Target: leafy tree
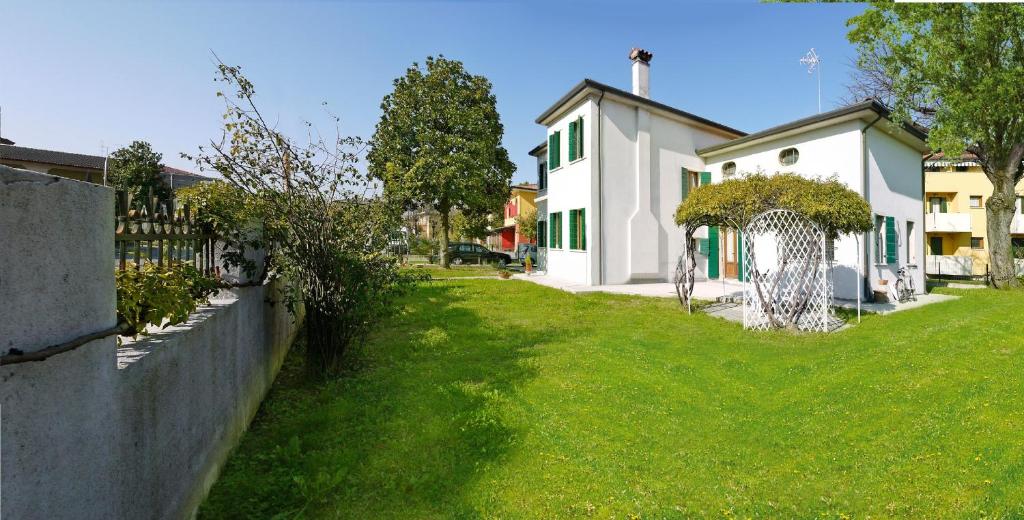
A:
x,y
326,234
438,143
136,169
836,209
527,222
960,69
473,226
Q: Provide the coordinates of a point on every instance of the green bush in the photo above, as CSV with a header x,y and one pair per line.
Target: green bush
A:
x,y
160,295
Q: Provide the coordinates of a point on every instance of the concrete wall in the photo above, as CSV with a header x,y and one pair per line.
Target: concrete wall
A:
x,y
105,432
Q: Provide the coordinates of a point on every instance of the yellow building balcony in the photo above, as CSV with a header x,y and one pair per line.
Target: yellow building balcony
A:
x,y
947,223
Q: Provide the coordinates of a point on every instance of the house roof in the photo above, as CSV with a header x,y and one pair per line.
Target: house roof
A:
x,y
4,140
536,151
182,178
940,159
525,186
594,85
868,104
22,153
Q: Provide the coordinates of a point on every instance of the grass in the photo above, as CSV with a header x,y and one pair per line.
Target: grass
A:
x,y
503,399
456,271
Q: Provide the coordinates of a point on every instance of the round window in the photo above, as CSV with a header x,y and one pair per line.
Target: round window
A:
x,y
728,169
789,156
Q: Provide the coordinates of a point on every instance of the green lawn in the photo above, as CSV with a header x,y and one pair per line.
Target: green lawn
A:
x,y
502,399
456,271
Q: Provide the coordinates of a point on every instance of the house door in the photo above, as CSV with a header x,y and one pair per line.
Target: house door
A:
x,y
732,264
935,245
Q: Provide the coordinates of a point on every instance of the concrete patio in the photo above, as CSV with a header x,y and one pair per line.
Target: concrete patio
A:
x,y
730,291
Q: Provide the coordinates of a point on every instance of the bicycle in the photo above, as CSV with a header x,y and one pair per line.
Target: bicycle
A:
x,y
904,288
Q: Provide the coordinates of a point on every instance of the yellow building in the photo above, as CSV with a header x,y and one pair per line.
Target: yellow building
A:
x,y
956,191
508,237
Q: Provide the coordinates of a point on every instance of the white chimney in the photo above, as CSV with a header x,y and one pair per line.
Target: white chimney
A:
x,y
641,72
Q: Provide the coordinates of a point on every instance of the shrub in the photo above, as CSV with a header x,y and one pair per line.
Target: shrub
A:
x,y
233,216
160,295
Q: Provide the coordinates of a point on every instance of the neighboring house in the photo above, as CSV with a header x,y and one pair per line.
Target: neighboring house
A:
x,y
617,164
508,237
80,167
956,190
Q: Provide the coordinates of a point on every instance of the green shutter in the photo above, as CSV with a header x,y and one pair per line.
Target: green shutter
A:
x,y
572,226
942,205
551,230
583,229
572,148
685,189
551,151
705,178
579,138
890,240
558,149
712,248
541,237
739,255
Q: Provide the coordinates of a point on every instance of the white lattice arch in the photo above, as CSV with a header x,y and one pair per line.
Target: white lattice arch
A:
x,y
785,273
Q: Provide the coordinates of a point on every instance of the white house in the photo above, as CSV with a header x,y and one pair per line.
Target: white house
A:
x,y
616,164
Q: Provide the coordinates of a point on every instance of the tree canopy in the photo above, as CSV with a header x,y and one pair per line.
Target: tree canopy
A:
x,y
958,68
438,143
136,169
826,202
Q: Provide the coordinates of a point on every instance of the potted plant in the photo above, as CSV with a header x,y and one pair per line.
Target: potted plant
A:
x,y
504,274
528,264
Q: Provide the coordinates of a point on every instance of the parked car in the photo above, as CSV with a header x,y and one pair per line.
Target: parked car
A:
x,y
525,250
468,253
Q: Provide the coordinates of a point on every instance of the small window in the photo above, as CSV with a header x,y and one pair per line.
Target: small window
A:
x,y
977,243
728,169
555,231
975,201
576,139
541,234
937,204
961,168
911,240
789,156
879,239
542,176
577,230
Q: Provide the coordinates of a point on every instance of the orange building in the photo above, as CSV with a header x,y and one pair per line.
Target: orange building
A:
x,y
508,237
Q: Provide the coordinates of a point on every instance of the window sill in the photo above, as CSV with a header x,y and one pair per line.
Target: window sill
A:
x,y
555,169
577,250
576,160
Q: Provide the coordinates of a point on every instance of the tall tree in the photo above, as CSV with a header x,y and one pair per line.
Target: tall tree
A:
x,y
960,69
438,143
136,169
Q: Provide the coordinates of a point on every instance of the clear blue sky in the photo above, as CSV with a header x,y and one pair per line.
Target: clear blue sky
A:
x,y
81,73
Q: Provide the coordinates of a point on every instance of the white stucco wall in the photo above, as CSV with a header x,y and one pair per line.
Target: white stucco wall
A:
x,y
139,431
570,187
896,189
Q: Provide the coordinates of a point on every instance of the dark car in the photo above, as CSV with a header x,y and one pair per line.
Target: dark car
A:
x,y
524,250
468,253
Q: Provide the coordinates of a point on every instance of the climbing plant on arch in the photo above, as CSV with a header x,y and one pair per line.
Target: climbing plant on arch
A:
x,y
826,202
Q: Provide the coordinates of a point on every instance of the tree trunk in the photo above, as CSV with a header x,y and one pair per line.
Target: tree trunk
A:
x,y
999,210
444,237
325,342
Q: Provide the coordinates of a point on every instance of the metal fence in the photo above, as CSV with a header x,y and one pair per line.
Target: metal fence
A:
x,y
160,232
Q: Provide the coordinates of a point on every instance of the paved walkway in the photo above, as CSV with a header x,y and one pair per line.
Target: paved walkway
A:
x,y
715,289
708,290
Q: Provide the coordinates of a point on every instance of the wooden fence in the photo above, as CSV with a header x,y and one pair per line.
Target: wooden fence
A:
x,y
160,232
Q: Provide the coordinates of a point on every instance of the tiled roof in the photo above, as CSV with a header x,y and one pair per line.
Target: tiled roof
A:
x,y
182,178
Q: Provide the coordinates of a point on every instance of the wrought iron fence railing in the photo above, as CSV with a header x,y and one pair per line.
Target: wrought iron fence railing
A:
x,y
160,232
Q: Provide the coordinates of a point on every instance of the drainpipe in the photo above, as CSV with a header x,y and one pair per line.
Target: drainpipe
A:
x,y
924,215
865,191
600,193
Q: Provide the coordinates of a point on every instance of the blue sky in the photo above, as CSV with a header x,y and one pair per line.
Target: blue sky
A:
x,y
78,74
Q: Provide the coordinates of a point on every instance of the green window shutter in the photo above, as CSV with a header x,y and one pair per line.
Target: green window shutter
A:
x,y
890,240
685,178
705,178
572,147
583,229
942,205
560,229
572,227
739,255
579,138
551,150
713,252
551,231
558,149
541,237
